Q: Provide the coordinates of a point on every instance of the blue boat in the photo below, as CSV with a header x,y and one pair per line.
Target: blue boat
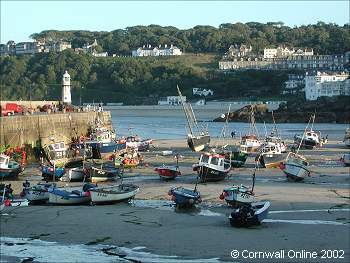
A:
x,y
250,214
184,198
8,168
47,172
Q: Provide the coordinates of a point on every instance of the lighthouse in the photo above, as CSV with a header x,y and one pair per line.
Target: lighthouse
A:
x,y
66,95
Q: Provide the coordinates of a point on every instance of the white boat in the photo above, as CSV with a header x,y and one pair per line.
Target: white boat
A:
x,y
113,194
37,193
295,167
69,196
250,215
250,142
270,155
238,195
74,174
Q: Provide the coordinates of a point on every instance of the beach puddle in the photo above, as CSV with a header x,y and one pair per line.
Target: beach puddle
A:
x,y
27,250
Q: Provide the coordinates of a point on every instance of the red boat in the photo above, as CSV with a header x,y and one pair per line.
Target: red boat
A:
x,y
168,172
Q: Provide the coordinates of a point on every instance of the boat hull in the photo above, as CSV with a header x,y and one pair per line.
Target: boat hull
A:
x,y
198,143
10,172
238,159
207,174
74,175
250,215
347,142
111,195
103,175
62,197
167,173
237,196
184,198
295,172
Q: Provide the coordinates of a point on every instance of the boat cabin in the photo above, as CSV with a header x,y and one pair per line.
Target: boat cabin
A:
x,y
312,135
103,135
215,161
57,150
270,148
296,158
4,161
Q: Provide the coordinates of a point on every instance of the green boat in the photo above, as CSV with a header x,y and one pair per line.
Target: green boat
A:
x,y
238,158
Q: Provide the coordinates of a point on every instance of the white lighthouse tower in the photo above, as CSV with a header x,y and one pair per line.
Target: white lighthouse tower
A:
x,y
66,95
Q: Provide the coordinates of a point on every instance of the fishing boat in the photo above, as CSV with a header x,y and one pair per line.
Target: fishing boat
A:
x,y
250,142
295,167
113,194
309,139
103,173
198,138
347,138
37,193
77,174
8,168
270,155
250,214
237,195
70,196
61,154
183,197
345,159
212,167
48,172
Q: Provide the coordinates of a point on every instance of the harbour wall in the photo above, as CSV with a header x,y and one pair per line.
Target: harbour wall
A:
x,y
39,129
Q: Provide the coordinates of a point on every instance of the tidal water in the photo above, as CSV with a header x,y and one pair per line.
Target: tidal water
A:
x,y
168,124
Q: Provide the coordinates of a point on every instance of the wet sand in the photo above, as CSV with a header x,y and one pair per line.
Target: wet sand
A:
x,y
311,215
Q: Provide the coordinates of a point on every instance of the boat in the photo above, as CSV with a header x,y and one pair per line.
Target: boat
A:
x,y
8,168
77,174
270,155
250,142
345,159
135,142
310,139
212,167
250,214
103,173
237,195
198,139
37,193
48,172
183,197
113,194
70,196
347,138
238,157
295,167
169,172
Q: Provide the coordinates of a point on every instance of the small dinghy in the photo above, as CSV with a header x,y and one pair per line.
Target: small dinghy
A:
x,y
250,214
184,198
72,196
113,194
295,167
169,172
37,193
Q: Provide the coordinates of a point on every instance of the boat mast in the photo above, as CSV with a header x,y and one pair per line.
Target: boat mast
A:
x,y
302,138
274,124
184,109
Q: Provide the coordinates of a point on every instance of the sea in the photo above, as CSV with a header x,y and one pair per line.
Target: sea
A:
x,y
171,124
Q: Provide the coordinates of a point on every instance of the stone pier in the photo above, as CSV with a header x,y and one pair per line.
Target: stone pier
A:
x,y
39,129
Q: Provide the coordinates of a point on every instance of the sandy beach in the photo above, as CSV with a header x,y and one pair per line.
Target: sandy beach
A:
x,y
312,215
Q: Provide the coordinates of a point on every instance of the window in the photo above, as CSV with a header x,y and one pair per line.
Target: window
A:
x,y
204,158
214,160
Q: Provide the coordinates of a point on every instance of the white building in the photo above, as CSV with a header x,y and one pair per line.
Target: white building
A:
x,y
29,48
150,51
66,95
284,52
329,85
171,100
202,92
294,84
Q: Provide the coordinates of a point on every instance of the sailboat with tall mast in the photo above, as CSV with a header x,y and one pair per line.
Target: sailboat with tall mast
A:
x,y
197,139
250,142
310,139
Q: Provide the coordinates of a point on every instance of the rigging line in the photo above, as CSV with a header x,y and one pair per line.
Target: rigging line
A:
x,y
184,109
302,138
194,118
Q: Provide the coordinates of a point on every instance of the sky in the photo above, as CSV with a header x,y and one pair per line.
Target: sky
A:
x,y
19,19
